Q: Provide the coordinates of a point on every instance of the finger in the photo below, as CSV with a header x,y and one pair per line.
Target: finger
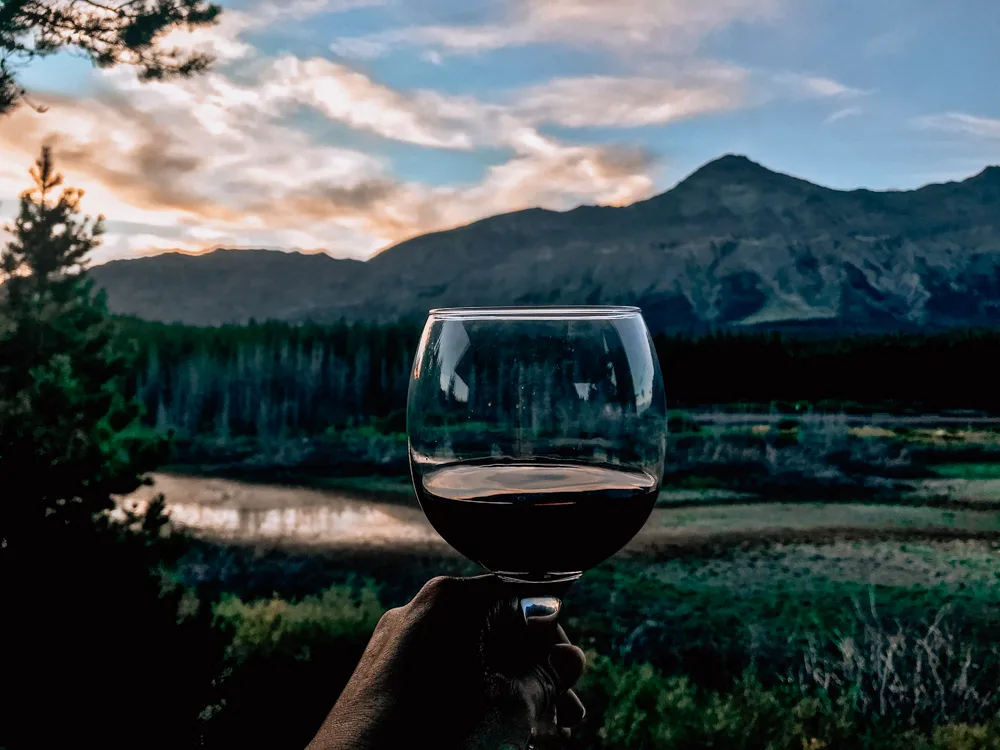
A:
x,y
549,677
570,710
461,601
539,637
542,636
566,663
554,737
560,635
547,725
484,586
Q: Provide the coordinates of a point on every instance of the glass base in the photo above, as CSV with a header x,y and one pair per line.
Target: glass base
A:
x,y
537,577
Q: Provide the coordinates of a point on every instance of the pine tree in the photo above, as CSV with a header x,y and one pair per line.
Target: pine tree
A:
x,y
75,578
126,32
67,438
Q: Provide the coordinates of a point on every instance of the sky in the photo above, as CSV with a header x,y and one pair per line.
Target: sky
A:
x,y
346,126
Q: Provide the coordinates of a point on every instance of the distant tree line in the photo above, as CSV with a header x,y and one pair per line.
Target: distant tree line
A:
x,y
952,370
272,380
275,380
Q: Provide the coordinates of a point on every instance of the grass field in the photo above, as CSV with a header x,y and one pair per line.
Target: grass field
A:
x,y
954,563
972,471
803,584
804,516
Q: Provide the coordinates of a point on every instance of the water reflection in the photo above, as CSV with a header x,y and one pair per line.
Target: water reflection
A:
x,y
338,524
248,512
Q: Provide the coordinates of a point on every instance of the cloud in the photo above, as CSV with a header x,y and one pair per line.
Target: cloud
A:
x,y
962,123
223,40
627,27
300,9
359,48
352,98
840,114
800,85
433,57
84,132
212,161
560,177
135,168
607,101
697,88
889,43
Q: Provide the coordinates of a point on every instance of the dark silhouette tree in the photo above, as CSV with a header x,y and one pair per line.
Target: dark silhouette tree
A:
x,y
66,437
76,572
116,32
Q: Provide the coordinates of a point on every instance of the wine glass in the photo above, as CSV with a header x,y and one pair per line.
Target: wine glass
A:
x,y
537,435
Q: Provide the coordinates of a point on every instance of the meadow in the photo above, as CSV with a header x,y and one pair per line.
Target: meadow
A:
x,y
806,581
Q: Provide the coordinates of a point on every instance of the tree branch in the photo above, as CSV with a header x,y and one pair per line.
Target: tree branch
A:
x,y
116,9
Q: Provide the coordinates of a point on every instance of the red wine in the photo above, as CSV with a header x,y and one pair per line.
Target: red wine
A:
x,y
536,520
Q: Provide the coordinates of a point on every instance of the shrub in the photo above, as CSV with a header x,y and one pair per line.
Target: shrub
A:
x,y
286,665
914,676
288,661
680,423
966,737
639,708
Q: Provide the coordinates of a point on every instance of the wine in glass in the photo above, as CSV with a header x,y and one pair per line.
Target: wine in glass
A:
x,y
536,435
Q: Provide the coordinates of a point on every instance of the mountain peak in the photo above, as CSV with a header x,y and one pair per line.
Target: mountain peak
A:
x,y
734,163
734,160
729,168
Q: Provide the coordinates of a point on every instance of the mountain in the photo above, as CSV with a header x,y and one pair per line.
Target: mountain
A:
x,y
734,244
226,286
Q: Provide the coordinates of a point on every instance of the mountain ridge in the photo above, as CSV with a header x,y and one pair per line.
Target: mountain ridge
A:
x,y
734,244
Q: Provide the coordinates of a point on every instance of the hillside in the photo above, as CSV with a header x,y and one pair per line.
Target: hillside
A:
x,y
225,286
734,244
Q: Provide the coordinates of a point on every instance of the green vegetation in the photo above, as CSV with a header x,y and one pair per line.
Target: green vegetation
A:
x,y
285,665
646,710
968,471
86,602
226,391
749,519
859,374
70,440
682,662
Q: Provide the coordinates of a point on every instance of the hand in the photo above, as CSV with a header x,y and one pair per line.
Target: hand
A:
x,y
457,667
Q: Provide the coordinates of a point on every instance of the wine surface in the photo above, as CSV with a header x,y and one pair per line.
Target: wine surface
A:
x,y
536,520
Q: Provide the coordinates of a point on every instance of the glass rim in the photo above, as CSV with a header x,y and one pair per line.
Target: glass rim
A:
x,y
537,312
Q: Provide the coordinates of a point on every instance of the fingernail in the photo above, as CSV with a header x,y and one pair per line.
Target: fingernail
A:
x,y
540,608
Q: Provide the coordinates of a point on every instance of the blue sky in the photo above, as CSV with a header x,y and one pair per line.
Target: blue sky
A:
x,y
348,125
